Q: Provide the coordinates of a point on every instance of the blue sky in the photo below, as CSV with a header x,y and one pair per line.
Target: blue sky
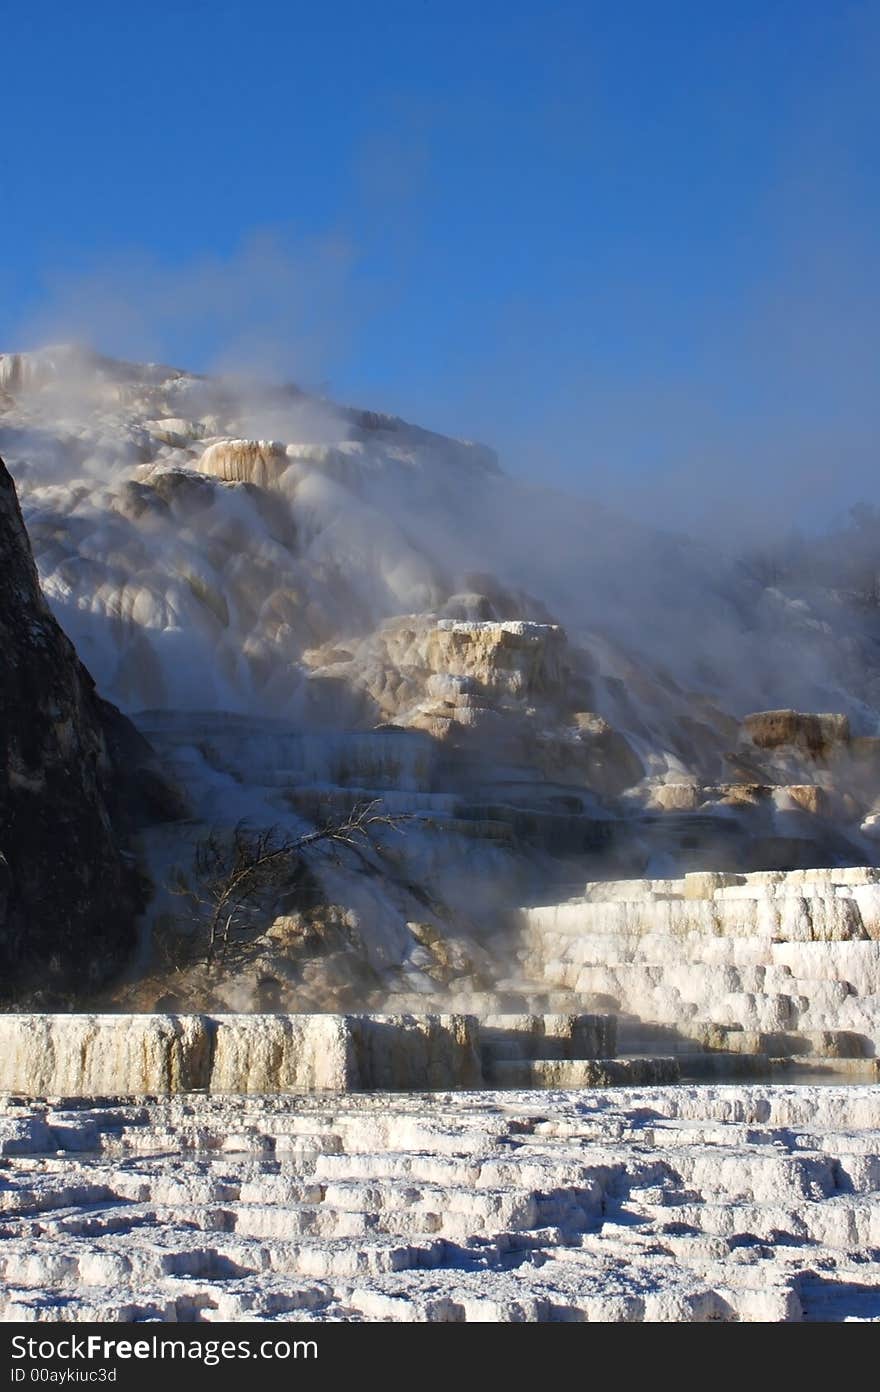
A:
x,y
633,245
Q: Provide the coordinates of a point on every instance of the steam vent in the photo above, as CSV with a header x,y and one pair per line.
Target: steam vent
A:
x,y
406,912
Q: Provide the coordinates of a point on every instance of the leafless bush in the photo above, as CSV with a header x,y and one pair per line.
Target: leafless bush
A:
x,y
236,876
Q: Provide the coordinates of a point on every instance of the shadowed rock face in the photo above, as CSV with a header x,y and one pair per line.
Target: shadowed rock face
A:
x,y
67,892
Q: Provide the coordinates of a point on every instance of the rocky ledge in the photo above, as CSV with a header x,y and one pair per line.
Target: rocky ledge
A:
x,y
138,1055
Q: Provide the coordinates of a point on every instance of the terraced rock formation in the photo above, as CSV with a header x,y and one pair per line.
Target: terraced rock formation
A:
x,y
136,1055
302,605
685,1204
751,966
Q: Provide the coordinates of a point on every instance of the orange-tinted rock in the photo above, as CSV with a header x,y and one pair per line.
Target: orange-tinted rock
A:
x,y
777,729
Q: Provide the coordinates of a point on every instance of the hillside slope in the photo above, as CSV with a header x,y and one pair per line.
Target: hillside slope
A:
x,y
303,606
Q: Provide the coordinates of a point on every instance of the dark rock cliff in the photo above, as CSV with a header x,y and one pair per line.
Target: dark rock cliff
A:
x,y
70,789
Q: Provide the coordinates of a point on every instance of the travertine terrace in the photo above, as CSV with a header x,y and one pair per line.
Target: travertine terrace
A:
x,y
272,1055
353,1108
686,1203
302,606
765,964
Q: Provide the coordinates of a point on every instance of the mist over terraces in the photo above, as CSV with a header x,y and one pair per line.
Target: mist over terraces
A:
x,y
304,607
402,775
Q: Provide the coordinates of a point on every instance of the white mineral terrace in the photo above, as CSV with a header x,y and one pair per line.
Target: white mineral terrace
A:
x,y
430,1167
679,1203
154,1055
765,964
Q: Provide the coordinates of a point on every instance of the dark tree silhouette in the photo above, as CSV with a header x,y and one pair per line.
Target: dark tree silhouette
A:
x,y
234,875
